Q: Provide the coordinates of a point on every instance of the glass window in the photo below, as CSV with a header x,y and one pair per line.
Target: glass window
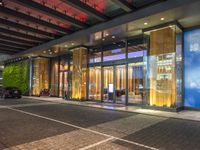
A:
x,y
95,57
115,51
135,51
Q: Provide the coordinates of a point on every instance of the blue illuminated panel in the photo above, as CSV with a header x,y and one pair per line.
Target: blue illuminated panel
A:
x,y
192,68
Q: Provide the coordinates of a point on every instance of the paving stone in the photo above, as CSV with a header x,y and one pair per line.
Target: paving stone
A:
x,y
169,134
128,125
72,140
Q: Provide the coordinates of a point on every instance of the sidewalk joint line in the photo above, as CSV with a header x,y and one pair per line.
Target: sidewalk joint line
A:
x,y
98,143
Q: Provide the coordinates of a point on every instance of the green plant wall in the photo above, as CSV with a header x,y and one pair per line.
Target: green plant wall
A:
x,y
17,75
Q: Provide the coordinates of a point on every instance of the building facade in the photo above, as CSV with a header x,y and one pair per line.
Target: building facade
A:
x,y
145,70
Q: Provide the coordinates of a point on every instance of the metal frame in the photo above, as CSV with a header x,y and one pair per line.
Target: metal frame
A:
x,y
13,45
22,35
17,40
34,20
86,8
51,12
124,5
27,28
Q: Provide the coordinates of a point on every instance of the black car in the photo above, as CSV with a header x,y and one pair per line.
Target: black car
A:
x,y
11,92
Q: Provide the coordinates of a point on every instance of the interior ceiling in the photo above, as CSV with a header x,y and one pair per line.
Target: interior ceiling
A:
x,y
26,24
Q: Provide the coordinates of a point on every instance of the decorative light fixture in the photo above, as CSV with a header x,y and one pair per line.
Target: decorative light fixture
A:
x,y
103,39
145,23
44,52
113,36
162,19
49,50
72,43
66,45
107,34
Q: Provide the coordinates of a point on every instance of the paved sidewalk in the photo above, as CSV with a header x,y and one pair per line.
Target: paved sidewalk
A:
x,y
185,114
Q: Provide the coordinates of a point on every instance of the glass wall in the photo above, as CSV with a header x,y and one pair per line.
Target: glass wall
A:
x,y
40,76
162,67
95,83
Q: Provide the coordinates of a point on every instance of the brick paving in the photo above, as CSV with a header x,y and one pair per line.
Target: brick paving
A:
x,y
51,126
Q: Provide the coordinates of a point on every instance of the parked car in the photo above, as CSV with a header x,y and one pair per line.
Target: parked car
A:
x,y
11,92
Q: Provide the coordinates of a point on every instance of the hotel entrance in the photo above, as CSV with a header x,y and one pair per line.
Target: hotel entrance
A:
x,y
114,84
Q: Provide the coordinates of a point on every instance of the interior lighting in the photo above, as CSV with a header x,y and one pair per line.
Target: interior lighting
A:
x,y
113,36
145,23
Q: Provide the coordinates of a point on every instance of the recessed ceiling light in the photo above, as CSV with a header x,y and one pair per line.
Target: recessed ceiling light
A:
x,y
162,19
145,23
113,36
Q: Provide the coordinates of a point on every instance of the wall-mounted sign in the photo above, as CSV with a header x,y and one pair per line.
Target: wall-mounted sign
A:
x,y
110,88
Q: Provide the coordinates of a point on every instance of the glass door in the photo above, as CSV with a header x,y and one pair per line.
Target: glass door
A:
x,y
120,89
108,85
135,83
95,83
